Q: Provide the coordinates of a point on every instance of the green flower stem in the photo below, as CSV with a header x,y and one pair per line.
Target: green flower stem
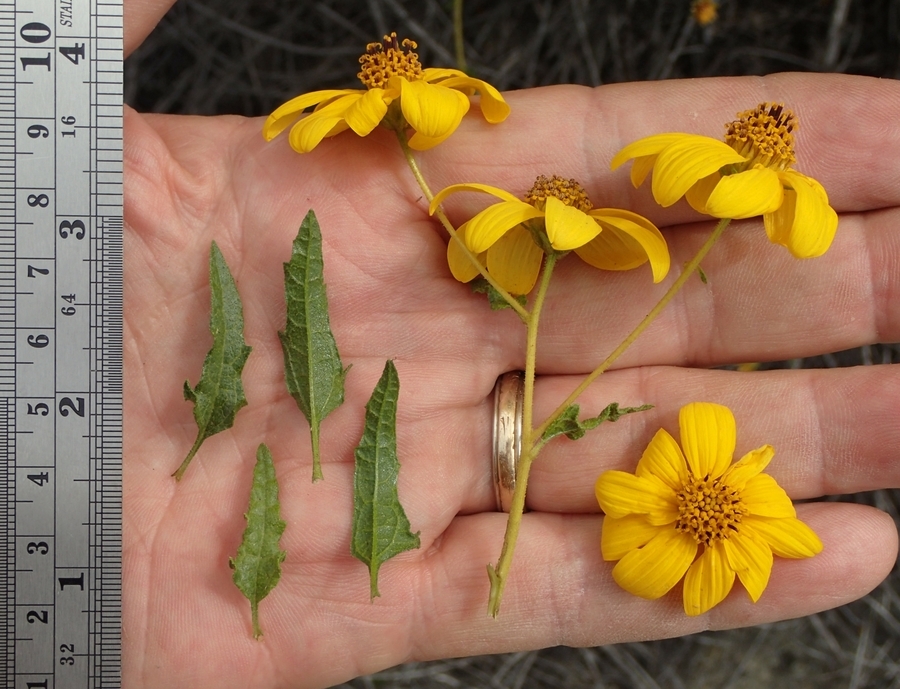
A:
x,y
439,213
458,35
688,271
530,447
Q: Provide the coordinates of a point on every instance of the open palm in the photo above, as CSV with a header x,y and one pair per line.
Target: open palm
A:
x,y
190,181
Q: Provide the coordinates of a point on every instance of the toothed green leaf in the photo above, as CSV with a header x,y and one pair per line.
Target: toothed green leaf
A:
x,y
219,394
312,364
257,567
380,527
568,424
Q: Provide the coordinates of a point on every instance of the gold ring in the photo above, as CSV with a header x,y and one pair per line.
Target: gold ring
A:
x,y
509,394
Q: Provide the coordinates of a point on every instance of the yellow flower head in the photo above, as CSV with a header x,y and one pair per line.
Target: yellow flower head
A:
x,y
748,174
705,12
698,516
399,92
510,237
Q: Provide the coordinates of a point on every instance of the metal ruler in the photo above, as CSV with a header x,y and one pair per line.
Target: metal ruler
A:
x,y
60,343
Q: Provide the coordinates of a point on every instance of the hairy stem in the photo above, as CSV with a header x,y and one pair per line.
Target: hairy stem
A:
x,y
499,574
454,237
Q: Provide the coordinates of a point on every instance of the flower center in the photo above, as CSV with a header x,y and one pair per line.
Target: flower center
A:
x,y
764,135
708,510
568,191
388,59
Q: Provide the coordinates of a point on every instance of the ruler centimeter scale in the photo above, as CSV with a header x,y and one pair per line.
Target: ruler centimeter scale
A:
x,y
60,343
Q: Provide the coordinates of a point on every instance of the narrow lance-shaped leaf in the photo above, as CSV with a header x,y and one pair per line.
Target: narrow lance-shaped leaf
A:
x,y
312,365
380,527
219,394
568,424
257,567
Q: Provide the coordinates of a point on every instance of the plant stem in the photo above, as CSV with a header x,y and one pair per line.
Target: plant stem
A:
x,y
499,575
179,472
688,271
454,237
314,440
458,35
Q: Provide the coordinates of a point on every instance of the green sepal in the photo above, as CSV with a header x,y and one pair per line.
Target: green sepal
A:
x,y
702,275
568,424
380,526
481,286
257,567
312,365
219,394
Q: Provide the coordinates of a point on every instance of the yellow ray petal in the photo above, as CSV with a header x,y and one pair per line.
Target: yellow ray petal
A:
x,y
663,459
621,536
568,227
805,223
745,194
649,146
751,557
787,537
708,581
460,266
494,108
309,132
433,111
698,195
683,162
365,113
495,221
455,188
653,570
765,498
514,261
631,240
749,466
284,115
708,436
621,494
640,168
420,142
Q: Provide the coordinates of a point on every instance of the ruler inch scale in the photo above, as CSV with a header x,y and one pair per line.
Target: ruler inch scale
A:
x,y
61,295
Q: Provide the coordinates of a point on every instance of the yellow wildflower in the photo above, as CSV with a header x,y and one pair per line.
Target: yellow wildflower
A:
x,y
399,92
748,174
698,516
704,12
510,237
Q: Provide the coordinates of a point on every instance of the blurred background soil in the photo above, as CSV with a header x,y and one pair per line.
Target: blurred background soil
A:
x,y
232,56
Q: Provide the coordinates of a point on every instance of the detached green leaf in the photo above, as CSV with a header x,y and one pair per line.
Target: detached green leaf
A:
x,y
498,303
312,365
219,394
568,424
257,567
380,527
702,275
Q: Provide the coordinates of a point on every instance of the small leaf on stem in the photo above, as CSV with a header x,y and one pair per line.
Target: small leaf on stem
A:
x,y
568,424
220,394
498,303
257,567
312,365
380,527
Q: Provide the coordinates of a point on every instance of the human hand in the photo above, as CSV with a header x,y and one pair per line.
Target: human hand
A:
x,y
192,180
